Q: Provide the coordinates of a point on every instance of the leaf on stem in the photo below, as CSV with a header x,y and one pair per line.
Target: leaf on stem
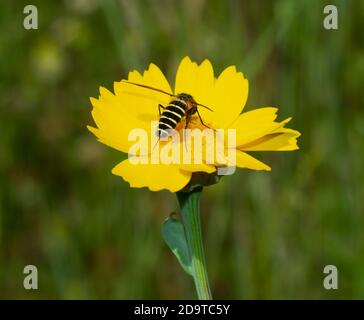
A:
x,y
175,237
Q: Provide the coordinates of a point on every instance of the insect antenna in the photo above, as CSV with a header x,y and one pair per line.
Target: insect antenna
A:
x,y
148,87
162,91
156,144
203,106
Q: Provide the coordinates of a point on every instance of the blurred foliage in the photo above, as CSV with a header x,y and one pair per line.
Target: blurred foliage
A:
x,y
267,235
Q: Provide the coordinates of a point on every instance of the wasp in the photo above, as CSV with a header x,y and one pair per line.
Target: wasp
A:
x,y
181,107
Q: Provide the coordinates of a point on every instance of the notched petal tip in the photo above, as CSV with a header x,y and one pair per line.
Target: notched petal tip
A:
x,y
105,94
285,121
206,63
185,64
232,71
133,75
186,59
231,68
245,160
93,101
101,89
116,86
92,129
153,67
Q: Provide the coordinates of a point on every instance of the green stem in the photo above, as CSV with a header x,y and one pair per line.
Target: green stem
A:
x,y
190,212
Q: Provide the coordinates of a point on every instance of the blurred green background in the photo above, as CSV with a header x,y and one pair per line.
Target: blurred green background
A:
x,y
267,235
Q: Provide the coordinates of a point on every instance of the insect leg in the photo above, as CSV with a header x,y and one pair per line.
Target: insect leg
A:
x,y
156,144
201,120
159,109
188,119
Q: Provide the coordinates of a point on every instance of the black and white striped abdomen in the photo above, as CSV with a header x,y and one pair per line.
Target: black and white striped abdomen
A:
x,y
171,116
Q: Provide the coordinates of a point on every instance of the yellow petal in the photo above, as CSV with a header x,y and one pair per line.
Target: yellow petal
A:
x,y
188,157
108,140
187,78
230,95
283,139
255,124
143,102
203,167
244,160
113,123
226,95
196,80
153,176
131,107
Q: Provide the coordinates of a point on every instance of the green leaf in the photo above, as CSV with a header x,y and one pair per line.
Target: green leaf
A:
x,y
175,238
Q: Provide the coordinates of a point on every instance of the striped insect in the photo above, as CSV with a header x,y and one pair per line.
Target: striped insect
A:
x,y
181,107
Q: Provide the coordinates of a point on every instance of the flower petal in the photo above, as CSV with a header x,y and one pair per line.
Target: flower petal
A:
x,y
226,95
255,124
244,160
113,122
156,177
131,107
283,139
196,80
230,95
187,80
143,102
203,167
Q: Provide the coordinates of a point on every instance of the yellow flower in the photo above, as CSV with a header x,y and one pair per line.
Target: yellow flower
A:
x,y
130,107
